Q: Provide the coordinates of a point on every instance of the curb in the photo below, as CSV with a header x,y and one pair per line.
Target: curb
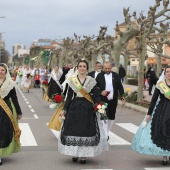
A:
x,y
134,107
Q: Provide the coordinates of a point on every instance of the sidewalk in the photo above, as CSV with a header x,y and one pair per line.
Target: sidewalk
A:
x,y
135,88
133,106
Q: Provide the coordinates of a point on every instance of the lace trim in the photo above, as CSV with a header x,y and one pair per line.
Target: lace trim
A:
x,y
88,85
83,151
6,87
81,141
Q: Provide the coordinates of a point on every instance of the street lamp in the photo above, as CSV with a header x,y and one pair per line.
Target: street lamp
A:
x,y
1,46
1,40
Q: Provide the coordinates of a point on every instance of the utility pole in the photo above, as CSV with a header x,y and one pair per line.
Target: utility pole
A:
x,y
1,42
1,46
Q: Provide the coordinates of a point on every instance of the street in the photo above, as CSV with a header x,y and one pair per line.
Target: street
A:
x,y
39,144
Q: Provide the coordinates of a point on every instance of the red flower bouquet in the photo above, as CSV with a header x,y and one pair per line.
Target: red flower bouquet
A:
x,y
100,109
58,98
45,82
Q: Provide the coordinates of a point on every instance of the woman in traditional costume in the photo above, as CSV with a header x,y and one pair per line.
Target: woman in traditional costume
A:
x,y
54,86
153,135
27,79
10,112
19,76
82,134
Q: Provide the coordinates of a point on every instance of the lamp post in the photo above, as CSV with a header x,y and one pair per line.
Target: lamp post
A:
x,y
1,47
1,40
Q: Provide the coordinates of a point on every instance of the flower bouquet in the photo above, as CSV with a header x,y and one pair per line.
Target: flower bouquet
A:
x,y
57,99
45,83
19,73
100,109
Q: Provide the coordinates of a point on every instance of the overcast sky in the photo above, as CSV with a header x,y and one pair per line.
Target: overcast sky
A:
x,y
28,20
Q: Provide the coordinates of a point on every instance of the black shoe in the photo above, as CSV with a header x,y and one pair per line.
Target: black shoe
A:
x,y
83,160
164,162
1,163
74,159
150,94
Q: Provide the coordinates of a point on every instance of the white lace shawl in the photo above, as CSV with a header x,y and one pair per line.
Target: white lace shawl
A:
x,y
88,85
6,87
72,73
56,77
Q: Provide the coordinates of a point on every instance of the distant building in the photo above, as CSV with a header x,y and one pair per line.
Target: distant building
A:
x,y
16,47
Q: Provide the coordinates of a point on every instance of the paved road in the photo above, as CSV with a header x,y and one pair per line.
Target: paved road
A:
x,y
39,143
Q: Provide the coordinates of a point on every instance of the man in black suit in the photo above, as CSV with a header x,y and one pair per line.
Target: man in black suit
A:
x,y
65,71
109,84
98,69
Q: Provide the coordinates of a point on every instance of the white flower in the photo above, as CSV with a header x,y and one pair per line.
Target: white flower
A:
x,y
99,107
103,107
101,111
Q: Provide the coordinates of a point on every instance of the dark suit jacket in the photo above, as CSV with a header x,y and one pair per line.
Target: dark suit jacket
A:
x,y
117,85
92,74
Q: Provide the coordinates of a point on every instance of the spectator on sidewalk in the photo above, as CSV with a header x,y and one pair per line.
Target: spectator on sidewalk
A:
x,y
152,78
114,68
122,73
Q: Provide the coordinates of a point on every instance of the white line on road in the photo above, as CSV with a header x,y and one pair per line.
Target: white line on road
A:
x,y
128,126
27,102
164,168
35,115
116,140
32,110
27,137
29,106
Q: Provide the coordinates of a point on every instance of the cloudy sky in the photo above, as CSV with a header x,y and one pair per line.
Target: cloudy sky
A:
x,y
29,20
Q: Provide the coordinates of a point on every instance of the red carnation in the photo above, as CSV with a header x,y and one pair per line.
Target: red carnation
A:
x,y
45,82
58,98
95,107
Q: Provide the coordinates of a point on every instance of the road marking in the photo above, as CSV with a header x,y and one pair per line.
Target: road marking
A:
x,y
35,115
56,133
128,126
157,168
29,106
32,110
27,137
25,99
27,102
116,140
97,169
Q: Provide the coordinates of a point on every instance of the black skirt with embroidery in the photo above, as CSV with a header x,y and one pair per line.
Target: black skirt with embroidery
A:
x,y
160,127
6,127
80,127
